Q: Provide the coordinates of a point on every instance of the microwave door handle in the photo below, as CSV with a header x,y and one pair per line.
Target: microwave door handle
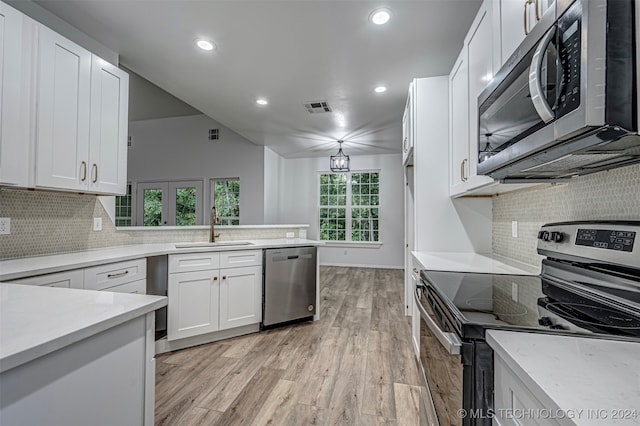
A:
x,y
450,341
535,84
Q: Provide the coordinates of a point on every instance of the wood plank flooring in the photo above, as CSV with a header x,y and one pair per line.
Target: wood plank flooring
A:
x,y
353,367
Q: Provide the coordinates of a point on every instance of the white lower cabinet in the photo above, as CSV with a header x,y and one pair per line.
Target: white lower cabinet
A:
x,y
240,296
67,279
512,399
214,291
194,298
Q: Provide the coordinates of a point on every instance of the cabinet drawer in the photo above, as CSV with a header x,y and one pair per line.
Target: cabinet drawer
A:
x,y
67,279
193,262
240,258
106,276
138,287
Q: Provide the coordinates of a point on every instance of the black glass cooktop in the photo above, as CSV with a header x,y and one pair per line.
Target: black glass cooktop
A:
x,y
470,303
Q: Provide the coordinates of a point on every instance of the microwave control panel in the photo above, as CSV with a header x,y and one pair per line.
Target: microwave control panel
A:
x,y
568,42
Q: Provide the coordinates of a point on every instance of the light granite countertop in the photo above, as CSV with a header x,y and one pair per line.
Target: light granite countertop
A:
x,y
35,320
31,266
472,262
593,381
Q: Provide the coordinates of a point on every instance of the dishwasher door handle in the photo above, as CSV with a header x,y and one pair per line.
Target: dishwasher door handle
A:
x,y
284,258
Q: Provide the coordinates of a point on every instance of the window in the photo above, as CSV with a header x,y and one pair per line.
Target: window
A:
x,y
123,208
177,203
225,195
350,206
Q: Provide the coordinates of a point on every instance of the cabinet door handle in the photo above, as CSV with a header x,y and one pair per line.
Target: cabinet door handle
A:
x,y
215,278
463,176
224,277
404,144
84,171
526,16
538,10
95,176
119,274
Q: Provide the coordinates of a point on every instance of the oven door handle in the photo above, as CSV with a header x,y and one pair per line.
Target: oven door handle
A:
x,y
450,341
535,84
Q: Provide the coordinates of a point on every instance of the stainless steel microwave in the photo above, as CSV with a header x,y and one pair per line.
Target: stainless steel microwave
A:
x,y
566,102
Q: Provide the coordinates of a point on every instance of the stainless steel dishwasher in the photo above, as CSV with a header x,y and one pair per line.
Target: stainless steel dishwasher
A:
x,y
289,285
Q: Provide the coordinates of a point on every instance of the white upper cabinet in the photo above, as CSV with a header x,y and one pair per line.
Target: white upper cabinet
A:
x,y
483,59
64,101
517,19
108,131
459,123
17,33
63,112
407,129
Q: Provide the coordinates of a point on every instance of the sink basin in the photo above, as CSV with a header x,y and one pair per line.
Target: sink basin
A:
x,y
216,244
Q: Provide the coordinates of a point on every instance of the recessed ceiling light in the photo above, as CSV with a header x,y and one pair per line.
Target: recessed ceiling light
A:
x,y
380,89
205,44
380,16
262,101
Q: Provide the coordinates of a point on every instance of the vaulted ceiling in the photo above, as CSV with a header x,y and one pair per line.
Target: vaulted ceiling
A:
x,y
288,52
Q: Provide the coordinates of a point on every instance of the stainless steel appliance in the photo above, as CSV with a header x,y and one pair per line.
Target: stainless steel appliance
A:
x,y
289,285
589,286
565,103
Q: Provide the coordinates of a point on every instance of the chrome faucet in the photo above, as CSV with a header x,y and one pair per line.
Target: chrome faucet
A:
x,y
213,219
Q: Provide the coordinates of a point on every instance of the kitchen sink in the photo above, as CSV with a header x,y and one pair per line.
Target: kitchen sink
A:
x,y
216,244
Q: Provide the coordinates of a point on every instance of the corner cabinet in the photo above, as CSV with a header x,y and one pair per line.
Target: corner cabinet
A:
x,y
81,119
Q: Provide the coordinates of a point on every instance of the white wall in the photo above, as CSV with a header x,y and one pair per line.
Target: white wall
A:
x,y
179,148
299,204
273,178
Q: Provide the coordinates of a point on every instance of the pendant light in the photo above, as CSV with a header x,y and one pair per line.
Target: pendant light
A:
x,y
340,161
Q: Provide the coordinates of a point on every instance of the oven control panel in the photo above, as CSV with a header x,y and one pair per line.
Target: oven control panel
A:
x,y
611,242
606,239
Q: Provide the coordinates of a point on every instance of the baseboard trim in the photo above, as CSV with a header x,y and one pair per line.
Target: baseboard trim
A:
x,y
359,265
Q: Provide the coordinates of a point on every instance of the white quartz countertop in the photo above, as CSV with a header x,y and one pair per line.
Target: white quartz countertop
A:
x,y
35,320
31,266
472,262
594,381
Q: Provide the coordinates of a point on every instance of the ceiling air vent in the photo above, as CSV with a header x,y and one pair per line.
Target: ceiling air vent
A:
x,y
317,107
214,134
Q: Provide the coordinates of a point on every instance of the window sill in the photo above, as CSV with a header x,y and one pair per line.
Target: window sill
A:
x,y
354,244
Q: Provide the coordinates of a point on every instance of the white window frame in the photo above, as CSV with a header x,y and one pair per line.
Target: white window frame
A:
x,y
168,217
348,227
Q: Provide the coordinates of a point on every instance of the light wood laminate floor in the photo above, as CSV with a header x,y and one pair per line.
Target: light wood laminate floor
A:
x,y
353,367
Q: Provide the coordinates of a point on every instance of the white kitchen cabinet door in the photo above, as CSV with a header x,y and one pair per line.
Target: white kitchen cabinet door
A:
x,y
240,296
17,38
407,129
459,123
64,101
109,128
482,44
66,279
194,299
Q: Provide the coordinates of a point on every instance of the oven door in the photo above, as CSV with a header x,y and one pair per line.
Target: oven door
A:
x,y
441,364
